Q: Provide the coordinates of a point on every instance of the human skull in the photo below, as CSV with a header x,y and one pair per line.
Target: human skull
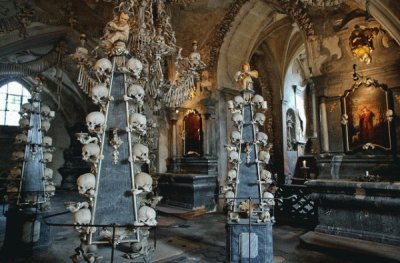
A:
x,y
50,189
264,156
230,105
257,100
82,216
259,118
80,55
21,139
233,157
147,216
135,67
99,93
140,153
264,217
86,183
45,125
266,176
238,101
103,67
268,199
237,118
47,141
262,138
143,181
24,124
230,197
91,152
138,123
26,108
232,174
47,157
136,92
15,172
48,173
389,115
18,156
236,137
45,110
95,122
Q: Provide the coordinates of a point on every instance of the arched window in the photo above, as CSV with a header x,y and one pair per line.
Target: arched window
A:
x,y
12,96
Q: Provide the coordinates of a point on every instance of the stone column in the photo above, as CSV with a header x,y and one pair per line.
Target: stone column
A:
x,y
173,118
324,125
314,110
209,105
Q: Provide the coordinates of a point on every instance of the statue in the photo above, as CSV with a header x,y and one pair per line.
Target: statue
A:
x,y
245,77
116,30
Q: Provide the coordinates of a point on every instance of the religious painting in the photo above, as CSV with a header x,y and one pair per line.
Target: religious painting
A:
x,y
193,134
365,116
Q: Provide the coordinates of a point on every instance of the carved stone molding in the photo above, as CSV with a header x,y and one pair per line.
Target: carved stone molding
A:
x,y
297,11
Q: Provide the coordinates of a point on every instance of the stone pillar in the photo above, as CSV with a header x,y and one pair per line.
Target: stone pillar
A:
x,y
209,105
324,125
314,110
173,118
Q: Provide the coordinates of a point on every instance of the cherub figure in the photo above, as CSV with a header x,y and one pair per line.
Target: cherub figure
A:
x,y
117,30
245,77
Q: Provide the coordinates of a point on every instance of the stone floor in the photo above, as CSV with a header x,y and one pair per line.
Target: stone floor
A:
x,y
198,240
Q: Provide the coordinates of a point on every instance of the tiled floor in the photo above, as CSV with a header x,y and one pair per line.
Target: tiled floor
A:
x,y
199,240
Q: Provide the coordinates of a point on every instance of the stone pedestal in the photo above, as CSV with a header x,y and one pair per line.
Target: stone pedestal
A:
x,y
249,242
365,211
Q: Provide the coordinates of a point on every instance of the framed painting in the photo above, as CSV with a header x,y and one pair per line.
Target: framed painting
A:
x,y
367,116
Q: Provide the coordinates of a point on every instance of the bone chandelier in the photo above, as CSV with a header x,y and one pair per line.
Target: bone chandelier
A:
x,y
143,29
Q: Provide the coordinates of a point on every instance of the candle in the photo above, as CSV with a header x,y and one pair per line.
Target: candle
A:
x,y
366,173
304,163
230,104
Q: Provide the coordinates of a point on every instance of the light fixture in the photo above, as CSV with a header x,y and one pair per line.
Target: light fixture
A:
x,y
361,42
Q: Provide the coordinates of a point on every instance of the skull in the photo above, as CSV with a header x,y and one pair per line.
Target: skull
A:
x,y
103,67
15,172
80,55
48,173
47,157
26,108
140,153
259,102
99,93
264,217
262,138
95,122
233,157
264,156
237,118
47,141
232,174
45,125
50,189
91,152
268,199
135,67
86,184
82,216
236,137
238,101
259,118
147,216
21,139
266,176
143,181
389,115
24,124
45,110
138,123
230,197
136,92
18,156
230,105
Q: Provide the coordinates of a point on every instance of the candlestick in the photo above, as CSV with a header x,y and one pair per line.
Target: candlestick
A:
x,y
304,163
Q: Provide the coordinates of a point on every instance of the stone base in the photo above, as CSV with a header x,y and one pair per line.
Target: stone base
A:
x,y
191,191
352,245
249,242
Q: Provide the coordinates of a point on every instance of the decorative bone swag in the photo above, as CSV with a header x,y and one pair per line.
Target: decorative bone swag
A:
x,y
125,76
248,180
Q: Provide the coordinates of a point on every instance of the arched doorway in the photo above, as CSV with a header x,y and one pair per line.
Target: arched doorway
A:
x,y
193,134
